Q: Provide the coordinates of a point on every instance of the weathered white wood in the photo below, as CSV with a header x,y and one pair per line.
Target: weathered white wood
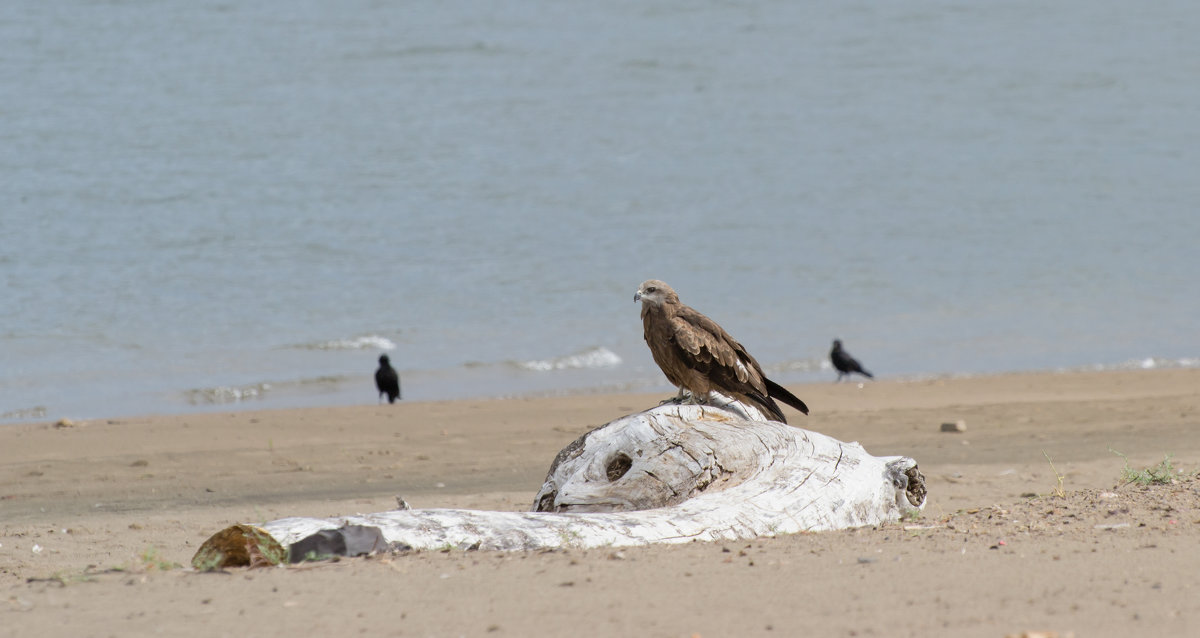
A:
x,y
671,474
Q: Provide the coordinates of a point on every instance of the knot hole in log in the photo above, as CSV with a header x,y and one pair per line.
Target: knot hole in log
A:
x,y
546,502
617,466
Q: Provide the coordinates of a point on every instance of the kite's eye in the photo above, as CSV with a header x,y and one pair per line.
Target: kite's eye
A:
x,y
651,289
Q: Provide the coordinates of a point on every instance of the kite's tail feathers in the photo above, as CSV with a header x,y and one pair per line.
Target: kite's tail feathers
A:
x,y
779,392
867,374
764,405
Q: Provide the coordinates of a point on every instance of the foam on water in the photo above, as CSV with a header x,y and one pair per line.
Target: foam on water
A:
x,y
800,366
1147,363
373,342
264,391
227,394
25,414
592,358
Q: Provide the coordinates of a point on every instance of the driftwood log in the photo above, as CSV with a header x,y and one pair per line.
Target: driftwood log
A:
x,y
671,474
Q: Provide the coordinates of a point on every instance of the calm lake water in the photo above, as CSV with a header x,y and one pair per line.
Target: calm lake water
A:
x,y
219,205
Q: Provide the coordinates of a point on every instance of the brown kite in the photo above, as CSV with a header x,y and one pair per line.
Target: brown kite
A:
x,y
697,354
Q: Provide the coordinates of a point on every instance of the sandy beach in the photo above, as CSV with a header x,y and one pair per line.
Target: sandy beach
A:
x,y
99,521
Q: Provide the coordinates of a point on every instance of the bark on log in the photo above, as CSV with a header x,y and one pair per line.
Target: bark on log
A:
x,y
675,473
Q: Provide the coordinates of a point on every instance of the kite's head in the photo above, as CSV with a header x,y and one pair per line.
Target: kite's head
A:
x,y
653,292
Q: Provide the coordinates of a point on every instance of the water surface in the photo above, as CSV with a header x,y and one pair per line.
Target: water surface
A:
x,y
213,205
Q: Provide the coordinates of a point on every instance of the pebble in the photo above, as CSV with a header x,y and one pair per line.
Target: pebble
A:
x,y
957,426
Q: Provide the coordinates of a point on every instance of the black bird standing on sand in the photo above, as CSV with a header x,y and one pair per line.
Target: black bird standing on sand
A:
x,y
387,380
844,363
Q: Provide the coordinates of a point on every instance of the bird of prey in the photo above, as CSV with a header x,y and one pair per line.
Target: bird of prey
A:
x,y
698,356
844,363
387,380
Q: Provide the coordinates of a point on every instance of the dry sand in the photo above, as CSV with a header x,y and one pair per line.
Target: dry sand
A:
x,y
93,515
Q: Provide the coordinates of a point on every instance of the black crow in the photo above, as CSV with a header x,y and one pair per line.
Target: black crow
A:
x,y
844,363
387,380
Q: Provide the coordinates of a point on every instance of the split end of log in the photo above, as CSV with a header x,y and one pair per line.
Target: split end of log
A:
x,y
909,482
915,490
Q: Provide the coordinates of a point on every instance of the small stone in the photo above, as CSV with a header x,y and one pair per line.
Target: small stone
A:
x,y
20,604
957,426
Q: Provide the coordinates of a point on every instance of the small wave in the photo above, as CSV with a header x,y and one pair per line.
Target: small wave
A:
x,y
36,412
799,365
1152,363
1185,362
1147,363
227,394
373,342
592,358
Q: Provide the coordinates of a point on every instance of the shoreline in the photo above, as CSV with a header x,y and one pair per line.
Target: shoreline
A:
x,y
105,494
334,392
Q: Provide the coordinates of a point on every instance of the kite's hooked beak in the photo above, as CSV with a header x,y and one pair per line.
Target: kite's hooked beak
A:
x,y
637,296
